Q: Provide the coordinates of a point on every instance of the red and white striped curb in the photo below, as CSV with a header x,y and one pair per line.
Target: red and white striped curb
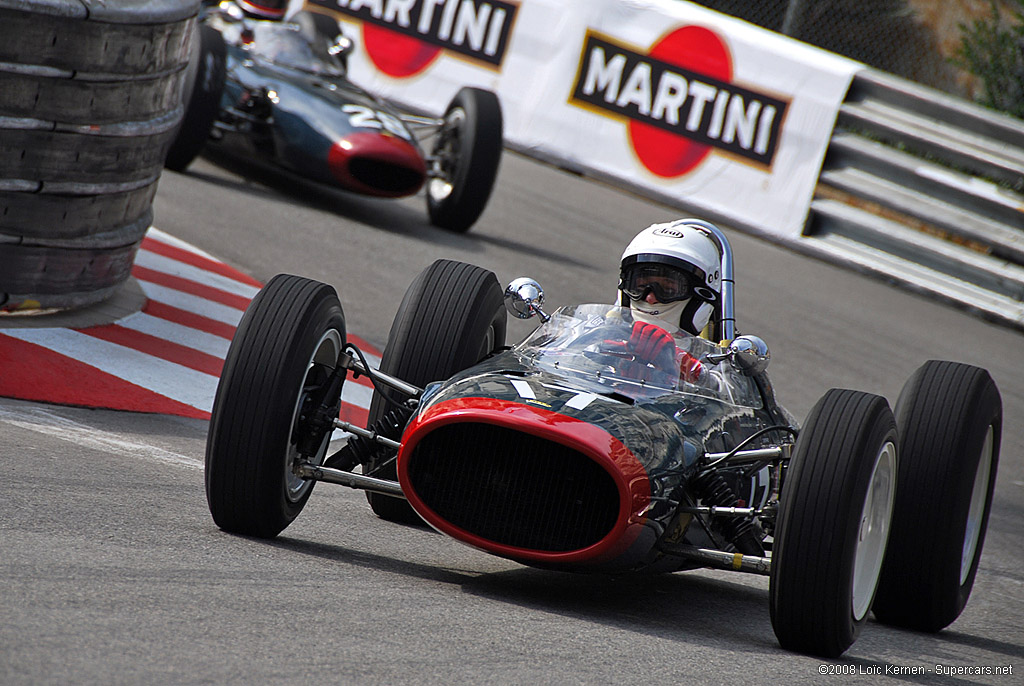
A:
x,y
166,358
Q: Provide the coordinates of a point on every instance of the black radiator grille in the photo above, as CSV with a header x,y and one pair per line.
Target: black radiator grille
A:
x,y
513,488
385,176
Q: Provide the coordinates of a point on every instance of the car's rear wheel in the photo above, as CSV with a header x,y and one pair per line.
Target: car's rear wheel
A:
x,y
465,159
208,71
283,352
834,521
950,423
452,316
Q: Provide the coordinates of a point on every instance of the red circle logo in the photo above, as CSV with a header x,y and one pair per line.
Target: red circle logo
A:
x,y
696,49
396,54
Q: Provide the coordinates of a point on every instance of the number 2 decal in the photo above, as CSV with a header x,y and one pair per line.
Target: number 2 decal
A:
x,y
360,116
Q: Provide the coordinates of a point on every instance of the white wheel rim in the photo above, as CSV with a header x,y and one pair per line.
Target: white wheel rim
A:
x,y
976,512
326,351
873,530
439,189
441,184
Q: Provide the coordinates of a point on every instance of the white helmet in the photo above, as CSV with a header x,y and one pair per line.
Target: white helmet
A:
x,y
264,9
681,264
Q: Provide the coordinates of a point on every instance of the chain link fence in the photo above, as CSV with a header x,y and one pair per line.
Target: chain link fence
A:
x,y
914,39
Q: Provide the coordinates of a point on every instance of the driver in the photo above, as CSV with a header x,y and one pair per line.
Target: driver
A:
x,y
263,9
670,274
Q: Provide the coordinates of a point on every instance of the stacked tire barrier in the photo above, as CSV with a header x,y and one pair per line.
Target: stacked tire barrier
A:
x,y
91,98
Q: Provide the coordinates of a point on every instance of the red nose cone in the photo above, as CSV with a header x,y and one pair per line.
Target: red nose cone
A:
x,y
496,504
377,164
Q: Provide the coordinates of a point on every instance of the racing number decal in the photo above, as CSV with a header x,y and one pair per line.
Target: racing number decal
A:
x,y
361,116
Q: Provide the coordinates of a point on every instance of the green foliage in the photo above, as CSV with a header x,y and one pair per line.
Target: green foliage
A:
x,y
993,50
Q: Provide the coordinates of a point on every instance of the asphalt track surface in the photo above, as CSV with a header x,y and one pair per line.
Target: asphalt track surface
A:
x,y
112,572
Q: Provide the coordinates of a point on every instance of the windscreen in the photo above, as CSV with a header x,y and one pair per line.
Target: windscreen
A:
x,y
283,44
591,345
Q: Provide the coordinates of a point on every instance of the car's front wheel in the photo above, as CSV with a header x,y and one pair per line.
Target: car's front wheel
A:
x,y
282,354
464,161
834,521
452,316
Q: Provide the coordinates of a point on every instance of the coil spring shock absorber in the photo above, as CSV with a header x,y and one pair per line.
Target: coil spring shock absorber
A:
x,y
715,492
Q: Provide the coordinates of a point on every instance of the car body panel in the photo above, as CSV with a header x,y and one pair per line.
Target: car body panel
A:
x,y
515,432
282,106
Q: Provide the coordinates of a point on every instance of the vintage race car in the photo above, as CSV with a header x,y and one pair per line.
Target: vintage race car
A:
x,y
567,452
276,95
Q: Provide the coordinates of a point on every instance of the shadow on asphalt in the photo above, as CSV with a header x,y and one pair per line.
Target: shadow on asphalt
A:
x,y
384,214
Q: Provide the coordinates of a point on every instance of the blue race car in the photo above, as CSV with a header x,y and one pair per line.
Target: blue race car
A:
x,y
276,94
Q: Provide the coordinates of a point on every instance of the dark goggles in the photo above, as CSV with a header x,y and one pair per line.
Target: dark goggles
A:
x,y
666,282
266,8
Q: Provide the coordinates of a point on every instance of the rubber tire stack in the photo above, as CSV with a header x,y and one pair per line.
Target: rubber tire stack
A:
x,y
91,100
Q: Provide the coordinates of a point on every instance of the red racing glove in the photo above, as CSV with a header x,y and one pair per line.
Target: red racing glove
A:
x,y
690,368
651,343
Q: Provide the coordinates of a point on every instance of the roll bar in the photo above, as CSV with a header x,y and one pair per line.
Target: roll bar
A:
x,y
725,307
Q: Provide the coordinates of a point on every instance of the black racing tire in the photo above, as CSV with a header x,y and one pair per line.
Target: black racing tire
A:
x,y
468,151
289,339
950,421
834,516
452,316
208,72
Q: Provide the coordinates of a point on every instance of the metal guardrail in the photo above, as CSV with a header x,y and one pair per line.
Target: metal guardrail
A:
x,y
927,190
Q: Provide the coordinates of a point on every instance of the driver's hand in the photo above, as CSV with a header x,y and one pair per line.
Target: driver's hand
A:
x,y
690,368
651,343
